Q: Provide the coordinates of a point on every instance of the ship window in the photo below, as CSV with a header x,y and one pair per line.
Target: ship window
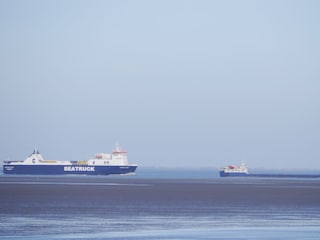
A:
x,y
94,162
33,160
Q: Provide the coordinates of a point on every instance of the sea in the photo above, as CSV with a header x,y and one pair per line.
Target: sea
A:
x,y
159,204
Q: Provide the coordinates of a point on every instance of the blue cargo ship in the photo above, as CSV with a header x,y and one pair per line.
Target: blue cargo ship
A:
x,y
100,164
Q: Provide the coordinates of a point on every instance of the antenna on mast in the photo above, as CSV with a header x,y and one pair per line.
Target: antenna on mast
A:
x,y
36,151
117,147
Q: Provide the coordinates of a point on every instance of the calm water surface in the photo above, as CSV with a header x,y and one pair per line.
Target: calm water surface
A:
x,y
83,207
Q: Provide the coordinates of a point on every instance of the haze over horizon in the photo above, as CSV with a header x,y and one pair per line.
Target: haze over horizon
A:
x,y
176,83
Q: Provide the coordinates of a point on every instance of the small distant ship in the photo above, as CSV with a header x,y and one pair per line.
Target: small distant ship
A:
x,y
234,171
101,164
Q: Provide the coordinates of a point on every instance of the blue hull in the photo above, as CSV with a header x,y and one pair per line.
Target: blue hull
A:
x,y
67,169
235,174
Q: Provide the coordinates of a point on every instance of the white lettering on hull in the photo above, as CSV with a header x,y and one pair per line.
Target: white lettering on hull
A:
x,y
78,169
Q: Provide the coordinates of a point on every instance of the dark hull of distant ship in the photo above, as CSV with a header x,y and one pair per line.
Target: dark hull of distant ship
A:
x,y
233,174
68,169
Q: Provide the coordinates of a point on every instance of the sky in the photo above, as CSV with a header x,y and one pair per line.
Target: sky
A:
x,y
175,83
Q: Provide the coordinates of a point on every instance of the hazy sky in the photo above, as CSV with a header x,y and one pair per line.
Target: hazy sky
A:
x,y
176,83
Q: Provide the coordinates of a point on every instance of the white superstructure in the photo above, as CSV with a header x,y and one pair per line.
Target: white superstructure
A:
x,y
236,169
36,158
118,157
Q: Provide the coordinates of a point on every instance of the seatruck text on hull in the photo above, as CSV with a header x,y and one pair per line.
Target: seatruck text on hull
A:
x,y
78,169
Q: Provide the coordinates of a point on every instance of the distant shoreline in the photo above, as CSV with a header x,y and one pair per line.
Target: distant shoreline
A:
x,y
282,175
205,173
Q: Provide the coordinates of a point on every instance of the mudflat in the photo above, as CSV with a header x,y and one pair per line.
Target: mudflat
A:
x,y
136,196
